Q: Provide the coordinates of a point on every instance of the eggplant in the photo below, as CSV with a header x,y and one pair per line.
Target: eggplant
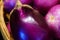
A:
x,y
28,24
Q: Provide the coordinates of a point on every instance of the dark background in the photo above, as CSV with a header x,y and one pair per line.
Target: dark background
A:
x,y
1,38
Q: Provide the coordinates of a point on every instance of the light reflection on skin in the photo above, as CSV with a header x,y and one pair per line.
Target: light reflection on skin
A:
x,y
22,35
34,34
29,19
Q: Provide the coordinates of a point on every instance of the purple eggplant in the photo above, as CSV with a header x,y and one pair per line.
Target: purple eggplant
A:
x,y
28,24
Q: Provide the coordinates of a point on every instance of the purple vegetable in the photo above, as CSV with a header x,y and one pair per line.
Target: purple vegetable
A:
x,y
27,24
25,1
45,3
53,19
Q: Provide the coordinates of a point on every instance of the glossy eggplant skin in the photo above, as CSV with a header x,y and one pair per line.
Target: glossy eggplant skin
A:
x,y
51,34
28,30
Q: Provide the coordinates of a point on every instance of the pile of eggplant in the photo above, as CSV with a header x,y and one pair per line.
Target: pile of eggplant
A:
x,y
32,19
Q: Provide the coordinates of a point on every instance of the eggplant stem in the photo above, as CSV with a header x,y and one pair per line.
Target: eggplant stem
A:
x,y
17,6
